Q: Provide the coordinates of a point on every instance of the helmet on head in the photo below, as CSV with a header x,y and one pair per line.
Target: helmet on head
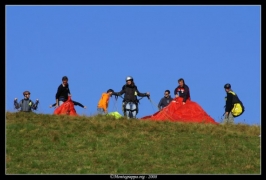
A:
x,y
129,78
227,86
26,92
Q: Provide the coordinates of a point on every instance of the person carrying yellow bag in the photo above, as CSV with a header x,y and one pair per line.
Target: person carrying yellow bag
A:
x,y
233,107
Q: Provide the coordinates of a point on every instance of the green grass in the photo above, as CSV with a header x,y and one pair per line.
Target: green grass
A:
x,y
50,144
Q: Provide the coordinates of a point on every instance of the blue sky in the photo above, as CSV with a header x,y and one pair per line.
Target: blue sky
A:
x,y
98,46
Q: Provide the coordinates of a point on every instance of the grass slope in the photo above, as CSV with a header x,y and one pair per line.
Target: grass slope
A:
x,y
50,144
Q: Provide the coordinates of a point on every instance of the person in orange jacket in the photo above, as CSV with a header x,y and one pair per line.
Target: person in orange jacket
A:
x,y
102,106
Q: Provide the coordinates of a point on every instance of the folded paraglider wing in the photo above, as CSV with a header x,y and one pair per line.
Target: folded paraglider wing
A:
x,y
176,111
67,108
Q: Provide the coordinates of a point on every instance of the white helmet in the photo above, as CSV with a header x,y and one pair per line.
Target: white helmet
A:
x,y
129,78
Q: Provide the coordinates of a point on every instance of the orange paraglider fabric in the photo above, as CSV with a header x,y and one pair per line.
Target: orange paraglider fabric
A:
x,y
67,108
177,111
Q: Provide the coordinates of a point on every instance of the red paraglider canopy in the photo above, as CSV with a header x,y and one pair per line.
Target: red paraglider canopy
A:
x,y
67,108
177,111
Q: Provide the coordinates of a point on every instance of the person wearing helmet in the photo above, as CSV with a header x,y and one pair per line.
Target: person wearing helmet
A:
x,y
130,100
62,92
26,104
182,90
124,102
103,103
228,117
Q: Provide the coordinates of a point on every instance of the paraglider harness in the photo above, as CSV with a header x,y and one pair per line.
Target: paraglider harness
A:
x,y
137,102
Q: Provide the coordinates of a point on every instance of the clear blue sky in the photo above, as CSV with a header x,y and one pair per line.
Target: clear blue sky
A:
x,y
98,46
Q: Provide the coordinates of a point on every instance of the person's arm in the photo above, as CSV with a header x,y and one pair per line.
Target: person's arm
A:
x,y
68,89
185,93
52,105
171,99
34,106
175,92
141,94
59,90
119,93
16,104
105,102
78,104
228,105
160,104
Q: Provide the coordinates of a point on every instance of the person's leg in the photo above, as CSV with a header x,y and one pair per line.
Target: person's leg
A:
x,y
231,118
124,108
100,110
128,109
60,103
134,110
228,119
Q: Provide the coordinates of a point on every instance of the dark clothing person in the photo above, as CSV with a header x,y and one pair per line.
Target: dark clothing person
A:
x,y
229,102
74,102
130,100
228,117
164,102
131,92
182,92
62,92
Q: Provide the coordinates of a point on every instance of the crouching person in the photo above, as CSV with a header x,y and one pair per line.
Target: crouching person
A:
x,y
26,104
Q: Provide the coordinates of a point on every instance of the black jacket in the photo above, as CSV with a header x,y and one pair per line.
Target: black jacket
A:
x,y
229,102
62,92
131,92
183,92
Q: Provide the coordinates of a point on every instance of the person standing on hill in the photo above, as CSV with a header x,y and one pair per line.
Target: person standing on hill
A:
x,y
165,100
228,117
62,92
233,106
130,98
26,104
103,103
182,90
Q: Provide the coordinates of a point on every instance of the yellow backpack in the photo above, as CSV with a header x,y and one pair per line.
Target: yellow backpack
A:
x,y
238,107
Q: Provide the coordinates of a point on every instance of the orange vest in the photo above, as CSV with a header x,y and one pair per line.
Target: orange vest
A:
x,y
103,102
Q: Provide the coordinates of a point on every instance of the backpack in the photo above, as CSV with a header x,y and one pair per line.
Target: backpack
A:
x,y
29,107
238,107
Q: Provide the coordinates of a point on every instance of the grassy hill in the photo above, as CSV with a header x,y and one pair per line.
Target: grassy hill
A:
x,y
50,144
